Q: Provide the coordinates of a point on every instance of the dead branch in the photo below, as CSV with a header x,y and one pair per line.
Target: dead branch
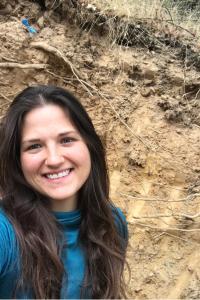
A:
x,y
11,65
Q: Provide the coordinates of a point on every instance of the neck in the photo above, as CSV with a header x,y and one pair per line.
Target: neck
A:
x,y
64,205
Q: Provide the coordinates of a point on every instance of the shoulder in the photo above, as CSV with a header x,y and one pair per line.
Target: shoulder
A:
x,y
5,223
7,242
7,233
120,221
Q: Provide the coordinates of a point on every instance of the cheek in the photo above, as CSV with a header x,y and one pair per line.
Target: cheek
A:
x,y
82,157
29,164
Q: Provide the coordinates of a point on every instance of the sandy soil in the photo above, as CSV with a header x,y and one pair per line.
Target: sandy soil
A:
x,y
146,107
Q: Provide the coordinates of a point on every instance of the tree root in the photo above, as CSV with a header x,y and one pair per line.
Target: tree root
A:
x,y
11,65
58,53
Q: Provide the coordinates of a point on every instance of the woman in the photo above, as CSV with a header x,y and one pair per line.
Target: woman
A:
x,y
60,235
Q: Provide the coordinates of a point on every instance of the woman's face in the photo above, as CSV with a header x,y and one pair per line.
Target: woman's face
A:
x,y
54,157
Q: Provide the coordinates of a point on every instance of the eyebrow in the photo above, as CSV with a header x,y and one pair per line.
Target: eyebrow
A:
x,y
59,135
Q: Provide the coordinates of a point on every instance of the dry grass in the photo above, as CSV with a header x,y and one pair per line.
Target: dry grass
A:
x,y
159,10
132,8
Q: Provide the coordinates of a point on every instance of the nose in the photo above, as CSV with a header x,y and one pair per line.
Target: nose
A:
x,y
54,158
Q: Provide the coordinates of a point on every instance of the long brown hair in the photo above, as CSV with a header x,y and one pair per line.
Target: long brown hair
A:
x,y
38,233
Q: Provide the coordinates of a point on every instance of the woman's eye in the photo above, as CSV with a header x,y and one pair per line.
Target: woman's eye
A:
x,y
34,146
67,140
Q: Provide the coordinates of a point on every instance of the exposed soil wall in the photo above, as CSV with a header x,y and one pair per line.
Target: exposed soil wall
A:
x,y
145,105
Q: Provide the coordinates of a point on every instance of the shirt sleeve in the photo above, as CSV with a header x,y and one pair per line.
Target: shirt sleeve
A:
x,y
7,244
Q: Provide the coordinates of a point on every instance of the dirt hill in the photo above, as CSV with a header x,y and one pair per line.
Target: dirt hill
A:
x,y
141,89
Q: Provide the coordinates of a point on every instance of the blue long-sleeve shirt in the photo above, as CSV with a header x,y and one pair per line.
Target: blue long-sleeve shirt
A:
x,y
73,256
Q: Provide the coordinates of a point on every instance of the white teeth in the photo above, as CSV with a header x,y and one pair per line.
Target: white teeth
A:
x,y
58,175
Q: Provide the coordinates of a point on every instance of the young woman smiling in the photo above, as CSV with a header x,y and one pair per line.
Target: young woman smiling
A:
x,y
60,235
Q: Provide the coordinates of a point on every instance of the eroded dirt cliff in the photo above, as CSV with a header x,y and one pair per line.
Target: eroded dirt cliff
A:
x,y
145,105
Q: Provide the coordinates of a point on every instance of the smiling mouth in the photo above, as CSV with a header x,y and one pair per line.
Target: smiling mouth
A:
x,y
58,175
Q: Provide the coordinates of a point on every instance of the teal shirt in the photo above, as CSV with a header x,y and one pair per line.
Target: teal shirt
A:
x,y
73,256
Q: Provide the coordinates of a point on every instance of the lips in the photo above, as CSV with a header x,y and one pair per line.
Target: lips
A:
x,y
58,175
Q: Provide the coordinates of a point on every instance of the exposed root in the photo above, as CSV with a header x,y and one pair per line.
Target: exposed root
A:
x,y
174,236
4,97
12,65
124,123
157,216
89,87
138,198
7,59
59,54
164,229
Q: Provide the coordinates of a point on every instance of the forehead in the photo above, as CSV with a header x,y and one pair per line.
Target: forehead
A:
x,y
46,119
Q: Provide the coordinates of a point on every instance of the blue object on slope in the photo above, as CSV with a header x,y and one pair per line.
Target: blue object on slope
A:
x,y
30,29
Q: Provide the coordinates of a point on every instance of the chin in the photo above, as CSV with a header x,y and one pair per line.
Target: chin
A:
x,y
62,197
